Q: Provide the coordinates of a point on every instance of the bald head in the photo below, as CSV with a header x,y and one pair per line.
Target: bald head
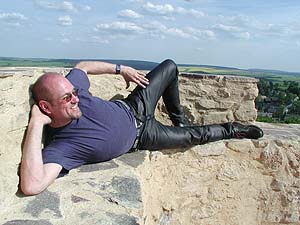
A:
x,y
47,86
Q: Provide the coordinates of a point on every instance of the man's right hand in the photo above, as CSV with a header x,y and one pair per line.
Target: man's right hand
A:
x,y
38,115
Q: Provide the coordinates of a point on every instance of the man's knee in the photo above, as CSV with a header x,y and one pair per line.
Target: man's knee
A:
x,y
170,64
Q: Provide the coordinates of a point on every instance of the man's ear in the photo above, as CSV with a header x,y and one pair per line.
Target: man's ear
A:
x,y
45,107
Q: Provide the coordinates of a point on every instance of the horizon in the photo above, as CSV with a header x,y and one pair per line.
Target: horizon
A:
x,y
137,60
243,35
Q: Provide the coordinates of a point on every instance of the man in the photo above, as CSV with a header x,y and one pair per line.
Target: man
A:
x,y
85,129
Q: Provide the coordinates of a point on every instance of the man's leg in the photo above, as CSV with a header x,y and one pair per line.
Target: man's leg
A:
x,y
163,82
158,136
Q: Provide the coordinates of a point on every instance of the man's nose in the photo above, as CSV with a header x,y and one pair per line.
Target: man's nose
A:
x,y
75,98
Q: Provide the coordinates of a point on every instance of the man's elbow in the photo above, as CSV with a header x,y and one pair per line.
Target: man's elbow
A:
x,y
31,188
82,65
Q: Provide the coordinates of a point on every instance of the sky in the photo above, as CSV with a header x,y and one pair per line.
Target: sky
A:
x,y
234,33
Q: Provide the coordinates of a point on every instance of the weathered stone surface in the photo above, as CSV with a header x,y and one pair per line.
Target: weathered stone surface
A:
x,y
122,219
97,167
45,201
28,222
226,182
212,98
134,159
218,117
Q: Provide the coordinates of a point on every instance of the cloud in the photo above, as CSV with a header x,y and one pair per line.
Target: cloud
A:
x,y
238,27
158,29
233,31
197,33
13,18
191,12
65,21
128,13
119,28
152,29
229,28
170,18
168,10
178,32
243,35
245,27
62,6
87,8
159,9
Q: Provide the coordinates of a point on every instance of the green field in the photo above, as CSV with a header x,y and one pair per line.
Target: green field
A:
x,y
275,77
19,62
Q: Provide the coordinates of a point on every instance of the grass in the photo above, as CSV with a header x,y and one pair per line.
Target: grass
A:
x,y
33,63
276,78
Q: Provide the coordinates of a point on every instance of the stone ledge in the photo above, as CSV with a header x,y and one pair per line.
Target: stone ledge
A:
x,y
202,185
241,79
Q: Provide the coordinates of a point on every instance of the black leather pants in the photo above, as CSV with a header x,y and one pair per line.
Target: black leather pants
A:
x,y
155,135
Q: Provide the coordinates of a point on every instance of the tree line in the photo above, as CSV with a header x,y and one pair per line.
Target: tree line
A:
x,y
281,99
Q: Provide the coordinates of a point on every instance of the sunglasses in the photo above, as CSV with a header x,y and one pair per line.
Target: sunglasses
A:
x,y
68,97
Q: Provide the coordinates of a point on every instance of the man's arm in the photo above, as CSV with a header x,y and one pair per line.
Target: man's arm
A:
x,y
129,74
35,176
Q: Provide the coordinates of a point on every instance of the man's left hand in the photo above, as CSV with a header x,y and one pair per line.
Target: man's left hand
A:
x,y
131,75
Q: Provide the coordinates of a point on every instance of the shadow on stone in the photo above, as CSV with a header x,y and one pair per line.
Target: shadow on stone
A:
x,y
123,219
45,200
133,159
28,222
97,167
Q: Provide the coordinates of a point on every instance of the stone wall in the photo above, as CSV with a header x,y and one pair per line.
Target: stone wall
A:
x,y
226,182
211,99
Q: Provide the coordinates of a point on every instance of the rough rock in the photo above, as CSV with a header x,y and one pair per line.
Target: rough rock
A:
x,y
226,182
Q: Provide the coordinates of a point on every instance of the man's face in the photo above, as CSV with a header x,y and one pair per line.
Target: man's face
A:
x,y
64,103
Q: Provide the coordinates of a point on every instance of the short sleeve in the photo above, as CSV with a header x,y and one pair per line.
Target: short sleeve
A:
x,y
79,78
62,154
51,156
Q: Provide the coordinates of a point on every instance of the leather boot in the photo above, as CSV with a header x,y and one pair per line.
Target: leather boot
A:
x,y
197,135
246,131
210,133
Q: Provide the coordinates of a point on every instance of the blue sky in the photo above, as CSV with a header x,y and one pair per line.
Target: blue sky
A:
x,y
237,33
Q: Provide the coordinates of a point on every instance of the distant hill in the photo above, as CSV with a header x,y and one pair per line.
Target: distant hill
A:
x,y
147,65
43,62
209,66
280,72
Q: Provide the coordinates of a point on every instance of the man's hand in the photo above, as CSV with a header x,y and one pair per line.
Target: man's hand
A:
x,y
37,115
131,75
